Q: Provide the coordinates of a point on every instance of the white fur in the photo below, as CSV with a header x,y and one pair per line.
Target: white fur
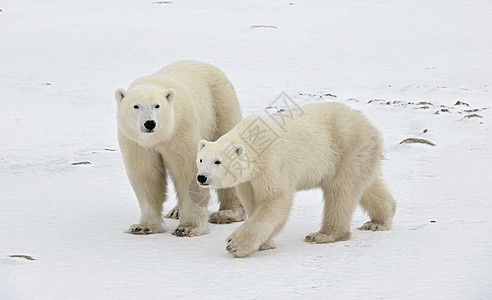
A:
x,y
269,158
161,119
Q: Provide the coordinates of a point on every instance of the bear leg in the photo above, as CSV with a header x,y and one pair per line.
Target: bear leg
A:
x,y
228,114
340,205
380,205
147,175
193,212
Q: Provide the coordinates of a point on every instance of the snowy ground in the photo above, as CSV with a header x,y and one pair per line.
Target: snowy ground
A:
x,y
60,62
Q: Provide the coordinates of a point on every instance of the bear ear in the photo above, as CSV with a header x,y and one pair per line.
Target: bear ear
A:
x,y
202,145
170,95
119,94
239,149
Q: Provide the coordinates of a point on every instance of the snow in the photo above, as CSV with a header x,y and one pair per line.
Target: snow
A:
x,y
61,61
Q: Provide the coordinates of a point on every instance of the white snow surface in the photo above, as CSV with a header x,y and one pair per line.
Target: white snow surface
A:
x,y
60,62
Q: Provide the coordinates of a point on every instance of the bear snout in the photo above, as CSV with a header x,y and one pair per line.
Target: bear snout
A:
x,y
149,125
202,179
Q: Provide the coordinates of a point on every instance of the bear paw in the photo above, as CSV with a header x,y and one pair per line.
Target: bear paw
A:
x,y
267,246
189,231
144,229
173,213
323,238
374,226
243,242
227,216
238,252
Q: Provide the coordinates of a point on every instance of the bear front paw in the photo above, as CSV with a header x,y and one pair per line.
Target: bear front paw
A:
x,y
236,251
242,243
143,229
189,231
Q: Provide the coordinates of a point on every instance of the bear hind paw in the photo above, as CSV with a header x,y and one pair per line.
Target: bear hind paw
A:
x,y
267,246
374,226
227,216
173,213
323,238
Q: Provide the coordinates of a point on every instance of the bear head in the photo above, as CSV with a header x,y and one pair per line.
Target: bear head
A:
x,y
146,114
222,165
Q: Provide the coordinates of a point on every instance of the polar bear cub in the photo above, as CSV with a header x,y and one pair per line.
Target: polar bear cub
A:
x,y
269,158
161,118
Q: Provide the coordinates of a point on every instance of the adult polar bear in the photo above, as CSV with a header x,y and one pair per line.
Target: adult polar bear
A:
x,y
161,118
268,158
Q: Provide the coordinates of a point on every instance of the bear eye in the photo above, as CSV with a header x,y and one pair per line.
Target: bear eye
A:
x,y
157,106
217,162
200,160
136,106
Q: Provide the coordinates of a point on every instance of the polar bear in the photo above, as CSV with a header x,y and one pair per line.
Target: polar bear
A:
x,y
161,118
270,157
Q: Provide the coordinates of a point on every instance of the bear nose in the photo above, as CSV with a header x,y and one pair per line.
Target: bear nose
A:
x,y
150,124
201,178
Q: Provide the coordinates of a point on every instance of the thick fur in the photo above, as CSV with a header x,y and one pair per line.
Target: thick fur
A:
x,y
161,119
269,158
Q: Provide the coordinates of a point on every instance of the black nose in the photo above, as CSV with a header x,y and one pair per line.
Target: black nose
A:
x,y
150,124
201,178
